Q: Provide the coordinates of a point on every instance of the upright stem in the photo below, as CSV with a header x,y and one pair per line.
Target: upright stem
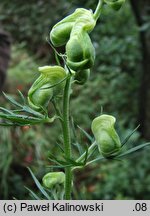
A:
x,y
67,140
98,9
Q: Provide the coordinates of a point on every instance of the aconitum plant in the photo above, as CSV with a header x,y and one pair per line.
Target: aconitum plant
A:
x,y
54,87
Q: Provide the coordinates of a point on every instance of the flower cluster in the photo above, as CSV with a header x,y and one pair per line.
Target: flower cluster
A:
x,y
73,31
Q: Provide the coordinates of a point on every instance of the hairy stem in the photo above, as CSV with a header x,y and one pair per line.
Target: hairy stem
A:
x,y
67,140
98,9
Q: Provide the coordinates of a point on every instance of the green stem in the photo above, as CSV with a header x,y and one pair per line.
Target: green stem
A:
x,y
67,140
98,10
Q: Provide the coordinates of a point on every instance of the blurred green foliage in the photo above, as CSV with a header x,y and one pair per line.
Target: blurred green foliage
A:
x,y
113,85
23,68
30,22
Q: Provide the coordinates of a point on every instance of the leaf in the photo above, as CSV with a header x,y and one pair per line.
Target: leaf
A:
x,y
8,124
73,128
95,160
60,163
57,166
68,162
76,142
40,187
86,157
33,194
134,149
86,134
6,110
26,108
23,107
76,163
60,147
89,155
128,137
57,161
31,111
21,119
16,118
14,102
130,151
22,97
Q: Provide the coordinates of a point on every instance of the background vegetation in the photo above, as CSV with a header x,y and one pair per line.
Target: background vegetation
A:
x,y
115,84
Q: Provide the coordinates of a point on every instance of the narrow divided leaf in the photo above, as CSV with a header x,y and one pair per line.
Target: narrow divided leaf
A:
x,y
22,97
15,117
86,134
134,149
13,101
128,137
40,187
33,194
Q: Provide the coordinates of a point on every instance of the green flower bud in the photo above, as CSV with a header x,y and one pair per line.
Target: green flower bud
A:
x,y
53,178
79,49
82,76
86,19
60,33
115,4
106,137
39,94
54,75
40,97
